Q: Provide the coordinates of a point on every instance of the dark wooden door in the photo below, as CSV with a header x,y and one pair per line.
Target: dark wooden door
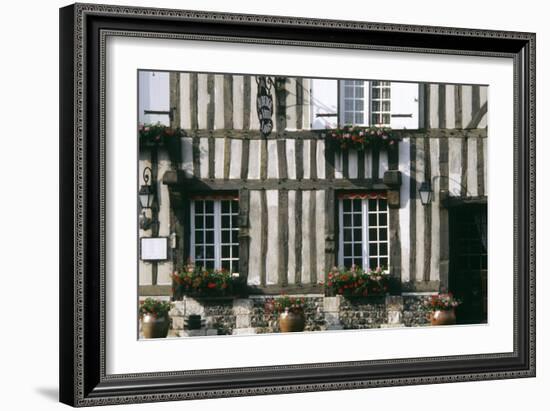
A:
x,y
468,261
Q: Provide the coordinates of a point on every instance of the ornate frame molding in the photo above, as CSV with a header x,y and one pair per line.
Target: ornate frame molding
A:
x,y
82,317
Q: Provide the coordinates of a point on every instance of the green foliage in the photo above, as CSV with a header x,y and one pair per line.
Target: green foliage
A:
x,y
361,138
356,282
156,308
157,134
201,281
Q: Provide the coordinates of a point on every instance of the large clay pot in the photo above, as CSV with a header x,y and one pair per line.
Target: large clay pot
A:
x,y
292,321
154,327
443,317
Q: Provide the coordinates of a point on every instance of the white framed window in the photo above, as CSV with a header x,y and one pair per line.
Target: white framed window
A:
x,y
363,230
215,232
380,103
354,94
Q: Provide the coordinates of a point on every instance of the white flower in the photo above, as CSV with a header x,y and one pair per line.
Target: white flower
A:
x,y
235,275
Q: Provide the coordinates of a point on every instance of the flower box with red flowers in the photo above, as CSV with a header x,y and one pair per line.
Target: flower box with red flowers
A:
x,y
198,281
356,282
361,138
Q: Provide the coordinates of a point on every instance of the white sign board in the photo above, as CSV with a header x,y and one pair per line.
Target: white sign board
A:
x,y
154,248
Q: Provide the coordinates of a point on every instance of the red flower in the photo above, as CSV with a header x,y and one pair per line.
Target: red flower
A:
x,y
211,285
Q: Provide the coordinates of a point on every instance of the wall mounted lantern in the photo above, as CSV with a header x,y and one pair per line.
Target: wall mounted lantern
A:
x,y
146,197
426,193
264,104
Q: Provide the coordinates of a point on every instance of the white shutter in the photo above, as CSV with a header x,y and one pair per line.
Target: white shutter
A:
x,y
324,100
154,94
404,105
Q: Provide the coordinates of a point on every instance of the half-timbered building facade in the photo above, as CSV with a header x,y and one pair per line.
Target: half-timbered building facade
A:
x,y
281,210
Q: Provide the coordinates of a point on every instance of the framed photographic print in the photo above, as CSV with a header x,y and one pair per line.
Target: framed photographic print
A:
x,y
232,224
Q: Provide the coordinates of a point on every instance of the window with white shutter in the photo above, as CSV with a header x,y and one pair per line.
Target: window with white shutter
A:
x,y
154,97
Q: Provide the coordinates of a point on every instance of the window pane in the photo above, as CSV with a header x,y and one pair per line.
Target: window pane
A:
x,y
209,250
199,237
226,265
199,253
235,221
226,221
372,220
348,262
199,221
356,205
209,236
226,250
357,249
347,234
373,234
373,263
358,262
226,207
373,250
226,236
375,93
199,207
347,249
375,105
209,207
235,207
359,105
209,221
383,219
209,264
383,235
235,236
347,220
346,204
373,205
360,92
383,204
383,249
357,220
384,262
235,251
359,118
357,234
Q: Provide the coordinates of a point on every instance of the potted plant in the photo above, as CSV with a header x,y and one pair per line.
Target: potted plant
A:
x,y
290,311
155,321
442,309
357,282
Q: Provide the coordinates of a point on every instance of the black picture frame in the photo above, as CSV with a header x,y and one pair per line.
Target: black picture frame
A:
x,y
83,381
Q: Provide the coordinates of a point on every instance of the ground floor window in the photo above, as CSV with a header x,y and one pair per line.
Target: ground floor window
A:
x,y
363,230
215,232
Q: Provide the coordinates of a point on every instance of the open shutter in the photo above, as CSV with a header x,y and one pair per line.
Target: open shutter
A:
x,y
154,97
404,105
324,104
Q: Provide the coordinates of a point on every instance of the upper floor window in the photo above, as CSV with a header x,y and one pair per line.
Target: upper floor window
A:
x,y
364,103
353,98
215,232
380,103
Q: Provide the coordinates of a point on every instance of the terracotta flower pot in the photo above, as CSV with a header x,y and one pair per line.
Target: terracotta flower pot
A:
x,y
292,321
154,327
443,317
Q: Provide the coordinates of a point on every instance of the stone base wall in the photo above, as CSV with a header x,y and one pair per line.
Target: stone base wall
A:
x,y
413,315
233,316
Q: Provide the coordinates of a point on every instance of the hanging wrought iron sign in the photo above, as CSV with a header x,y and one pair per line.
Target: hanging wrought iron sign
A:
x,y
264,104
